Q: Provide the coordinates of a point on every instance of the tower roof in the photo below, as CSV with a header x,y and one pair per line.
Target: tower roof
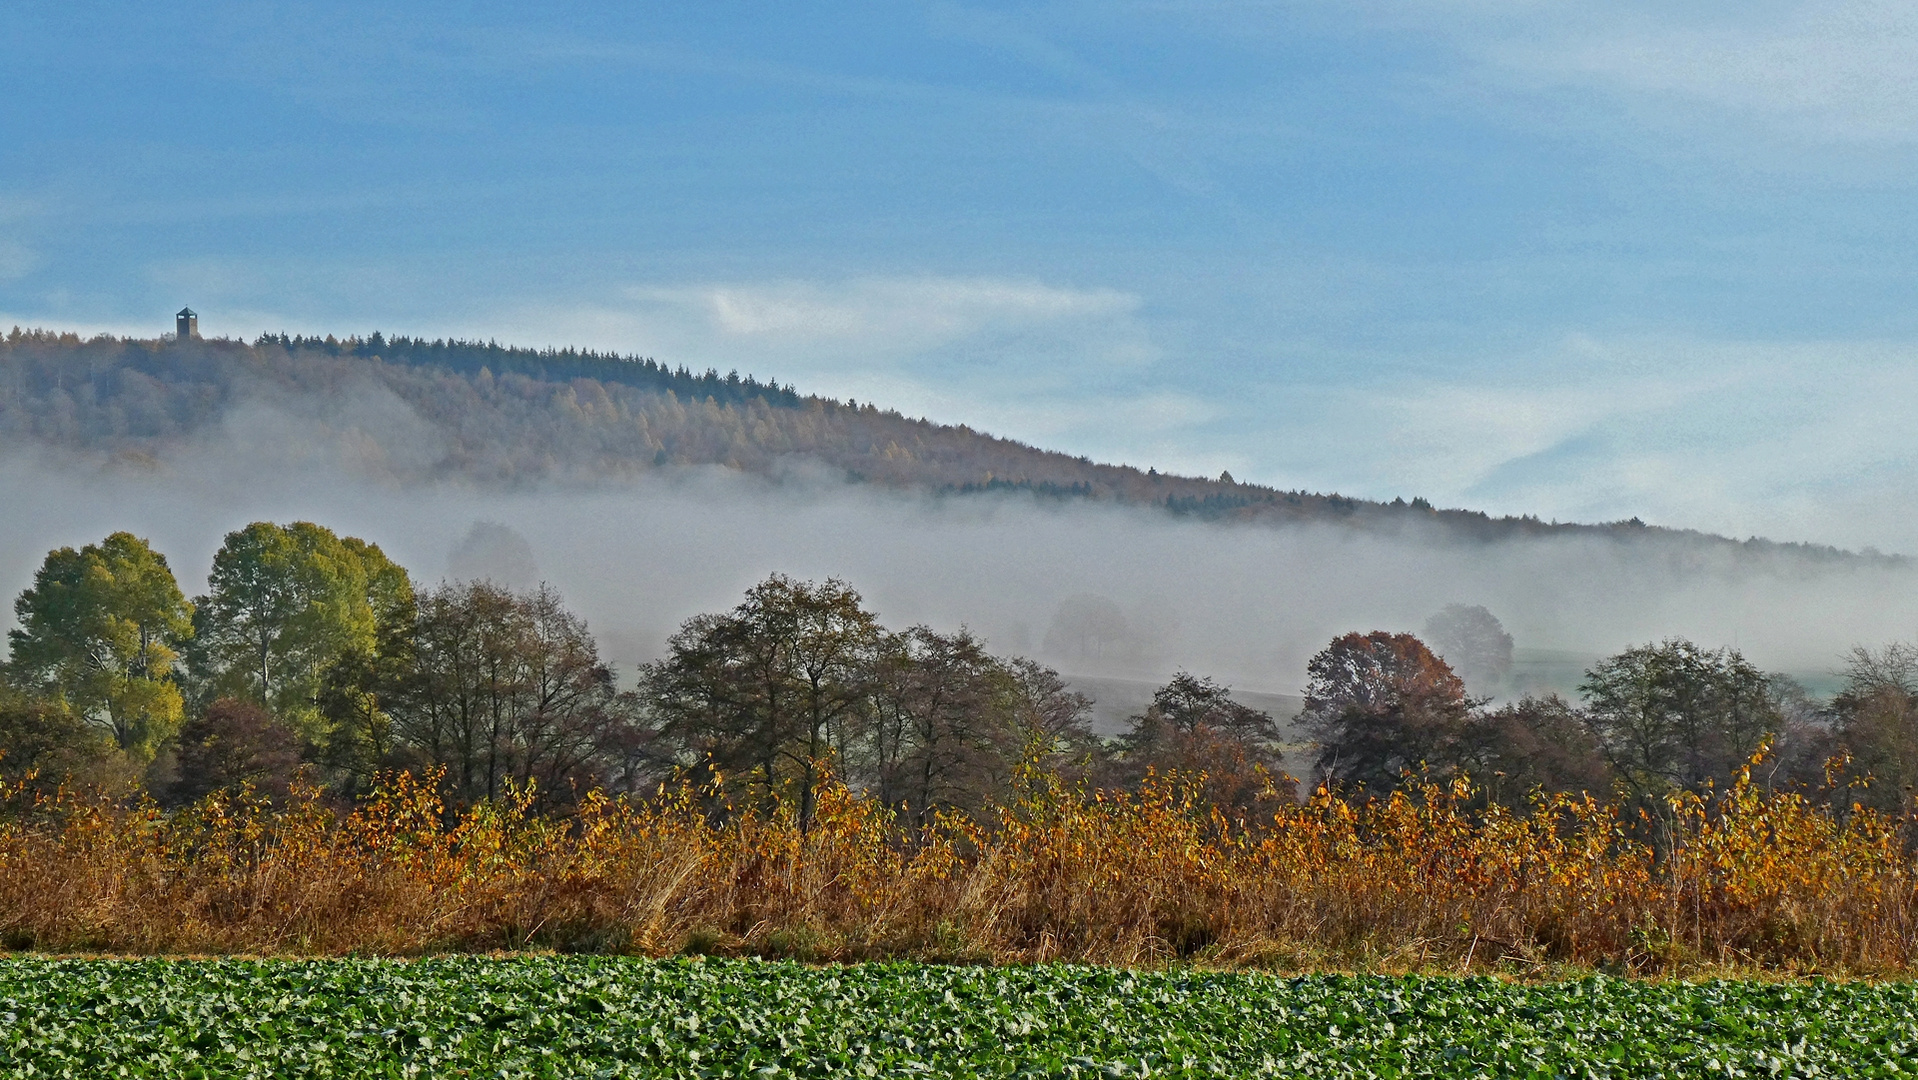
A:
x,y
186,311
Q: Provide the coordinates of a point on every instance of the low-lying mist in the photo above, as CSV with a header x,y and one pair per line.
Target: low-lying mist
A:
x,y
1096,590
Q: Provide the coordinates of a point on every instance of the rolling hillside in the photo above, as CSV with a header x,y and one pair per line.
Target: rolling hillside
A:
x,y
487,414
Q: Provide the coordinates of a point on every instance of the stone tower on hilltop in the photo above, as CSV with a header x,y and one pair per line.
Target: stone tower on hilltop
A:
x,y
187,323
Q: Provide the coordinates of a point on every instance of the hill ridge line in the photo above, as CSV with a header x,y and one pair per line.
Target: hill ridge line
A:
x,y
570,413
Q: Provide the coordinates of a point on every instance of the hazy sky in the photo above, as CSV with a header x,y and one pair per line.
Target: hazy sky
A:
x,y
1588,261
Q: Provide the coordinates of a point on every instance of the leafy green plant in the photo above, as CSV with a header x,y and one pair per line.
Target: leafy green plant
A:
x,y
575,1016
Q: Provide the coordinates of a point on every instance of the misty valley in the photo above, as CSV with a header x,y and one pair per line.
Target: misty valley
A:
x,y
314,658
317,651
647,495
576,489
958,540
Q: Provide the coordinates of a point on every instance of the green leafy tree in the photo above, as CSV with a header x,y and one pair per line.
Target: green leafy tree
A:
x,y
100,629
1674,715
772,691
286,604
358,688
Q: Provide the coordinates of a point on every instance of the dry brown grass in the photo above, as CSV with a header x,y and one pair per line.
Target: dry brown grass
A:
x,y
1424,881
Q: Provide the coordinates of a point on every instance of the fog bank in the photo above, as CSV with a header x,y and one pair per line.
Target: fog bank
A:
x,y
1094,589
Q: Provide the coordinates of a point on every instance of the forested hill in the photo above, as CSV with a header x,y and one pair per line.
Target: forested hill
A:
x,y
495,415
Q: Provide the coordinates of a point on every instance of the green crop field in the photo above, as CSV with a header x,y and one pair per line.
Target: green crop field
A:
x,y
615,1017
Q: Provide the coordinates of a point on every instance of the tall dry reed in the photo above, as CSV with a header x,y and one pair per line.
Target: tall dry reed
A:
x,y
1427,879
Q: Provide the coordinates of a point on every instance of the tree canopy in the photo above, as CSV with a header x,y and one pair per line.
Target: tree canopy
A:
x,y
772,691
284,604
1472,641
315,655
100,629
1381,704
1673,715
1193,727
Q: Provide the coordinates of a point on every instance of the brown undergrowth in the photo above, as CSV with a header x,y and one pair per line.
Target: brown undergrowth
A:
x,y
1742,879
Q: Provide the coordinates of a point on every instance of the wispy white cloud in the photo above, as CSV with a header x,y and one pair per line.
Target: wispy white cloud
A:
x,y
886,317
18,254
1071,367
1821,71
1803,73
1806,440
936,328
17,260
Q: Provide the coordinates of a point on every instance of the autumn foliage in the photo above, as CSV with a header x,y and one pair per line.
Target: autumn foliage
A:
x,y
1430,878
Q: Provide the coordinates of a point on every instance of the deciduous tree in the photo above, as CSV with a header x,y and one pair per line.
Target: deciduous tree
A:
x,y
1381,704
1193,726
945,728
287,602
1054,721
1473,643
1876,725
506,688
44,744
100,628
1674,715
234,743
770,692
1536,743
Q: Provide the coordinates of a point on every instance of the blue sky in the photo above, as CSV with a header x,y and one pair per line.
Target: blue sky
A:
x,y
1583,261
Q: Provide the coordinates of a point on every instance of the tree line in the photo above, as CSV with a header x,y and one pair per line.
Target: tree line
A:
x,y
313,655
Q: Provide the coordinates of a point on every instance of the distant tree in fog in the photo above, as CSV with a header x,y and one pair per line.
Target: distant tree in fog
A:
x,y
1091,629
493,552
1805,742
1474,643
1381,704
